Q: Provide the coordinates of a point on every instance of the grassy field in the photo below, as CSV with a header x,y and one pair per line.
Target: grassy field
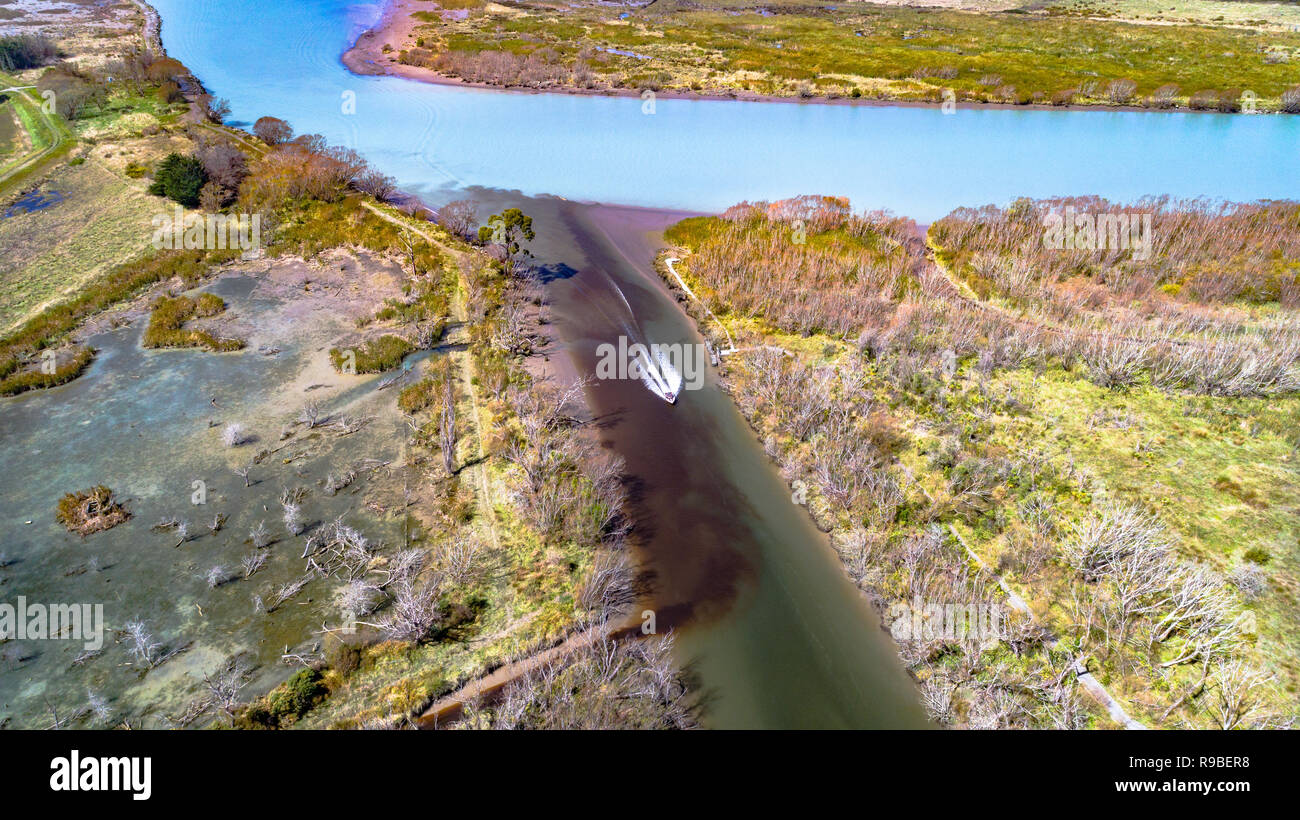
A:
x,y
1051,55
12,135
102,220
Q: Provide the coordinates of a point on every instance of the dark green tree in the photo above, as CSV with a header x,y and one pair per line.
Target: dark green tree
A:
x,y
509,229
179,178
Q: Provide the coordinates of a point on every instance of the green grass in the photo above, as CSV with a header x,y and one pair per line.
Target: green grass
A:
x,y
166,323
888,51
373,356
50,137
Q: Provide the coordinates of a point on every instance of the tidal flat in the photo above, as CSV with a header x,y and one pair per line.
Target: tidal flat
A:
x,y
149,424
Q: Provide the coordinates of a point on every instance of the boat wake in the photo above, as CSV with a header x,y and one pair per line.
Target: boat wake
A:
x,y
652,362
658,373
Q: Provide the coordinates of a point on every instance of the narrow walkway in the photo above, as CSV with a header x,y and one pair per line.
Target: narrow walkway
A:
x,y
731,345
448,708
466,362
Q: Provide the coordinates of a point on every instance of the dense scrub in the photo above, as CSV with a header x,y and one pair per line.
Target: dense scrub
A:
x,y
962,450
23,51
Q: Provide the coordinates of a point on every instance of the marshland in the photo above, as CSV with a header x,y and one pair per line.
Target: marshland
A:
x,y
365,476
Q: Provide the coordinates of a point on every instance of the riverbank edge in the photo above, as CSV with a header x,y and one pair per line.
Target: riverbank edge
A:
x,y
364,60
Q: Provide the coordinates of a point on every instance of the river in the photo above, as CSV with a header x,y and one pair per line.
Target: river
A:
x,y
282,59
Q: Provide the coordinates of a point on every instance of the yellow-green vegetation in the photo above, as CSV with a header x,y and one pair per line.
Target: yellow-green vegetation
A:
x,y
166,323
20,349
371,356
1057,55
90,511
962,452
99,219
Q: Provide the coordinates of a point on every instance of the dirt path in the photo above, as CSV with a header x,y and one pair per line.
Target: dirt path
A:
x,y
448,708
465,362
59,138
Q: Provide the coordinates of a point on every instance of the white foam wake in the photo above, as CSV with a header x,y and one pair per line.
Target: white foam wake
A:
x,y
659,374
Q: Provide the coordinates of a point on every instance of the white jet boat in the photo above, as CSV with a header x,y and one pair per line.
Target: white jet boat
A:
x,y
659,374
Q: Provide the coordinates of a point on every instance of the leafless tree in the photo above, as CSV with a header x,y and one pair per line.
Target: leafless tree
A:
x,y
143,647
1239,695
447,425
293,518
359,598
98,706
609,589
243,472
252,562
459,217
224,685
414,612
216,577
259,535
286,591
233,435
458,559
310,414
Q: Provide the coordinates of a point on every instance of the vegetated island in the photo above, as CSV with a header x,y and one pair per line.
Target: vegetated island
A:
x,y
1188,54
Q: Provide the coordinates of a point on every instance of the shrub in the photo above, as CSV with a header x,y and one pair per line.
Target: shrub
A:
x,y
1121,91
1230,101
296,696
272,130
1163,97
418,396
1291,100
36,379
1257,555
169,314
374,356
1065,96
169,92
179,178
1203,100
343,658
22,51
90,511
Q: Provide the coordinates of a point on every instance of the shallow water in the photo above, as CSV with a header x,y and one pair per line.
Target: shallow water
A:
x,y
139,421
282,59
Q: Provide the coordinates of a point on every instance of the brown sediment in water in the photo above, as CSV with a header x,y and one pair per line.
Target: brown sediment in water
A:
x,y
763,613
